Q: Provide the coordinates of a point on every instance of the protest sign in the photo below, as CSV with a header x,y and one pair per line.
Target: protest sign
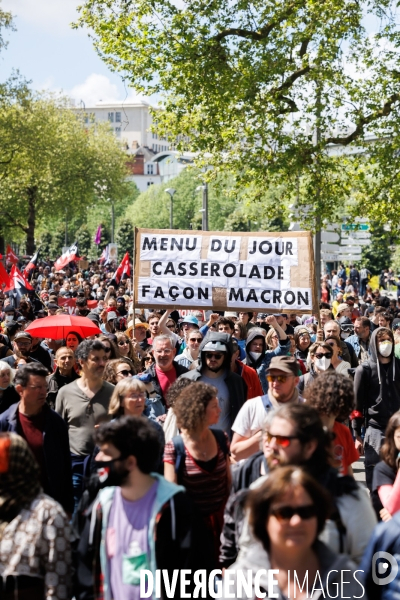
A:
x,y
269,272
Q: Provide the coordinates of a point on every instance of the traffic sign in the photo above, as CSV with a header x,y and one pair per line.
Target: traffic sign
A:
x,y
349,257
350,249
356,234
330,247
354,242
355,227
329,257
330,236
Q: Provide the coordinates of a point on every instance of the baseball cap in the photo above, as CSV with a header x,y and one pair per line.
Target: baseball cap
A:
x,y
23,335
214,346
229,314
111,315
190,319
287,364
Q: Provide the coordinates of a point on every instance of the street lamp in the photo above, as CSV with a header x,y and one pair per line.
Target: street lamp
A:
x,y
171,192
204,210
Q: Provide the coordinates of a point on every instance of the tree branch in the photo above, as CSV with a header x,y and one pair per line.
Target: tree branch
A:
x,y
304,47
16,223
363,121
289,81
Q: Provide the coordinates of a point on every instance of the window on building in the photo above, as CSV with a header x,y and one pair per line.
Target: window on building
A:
x,y
118,131
118,117
149,183
111,117
150,169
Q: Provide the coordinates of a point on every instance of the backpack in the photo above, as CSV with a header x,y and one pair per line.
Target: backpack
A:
x,y
181,453
364,274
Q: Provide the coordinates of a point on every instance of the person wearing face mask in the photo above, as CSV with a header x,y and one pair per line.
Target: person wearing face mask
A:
x,y
377,392
320,357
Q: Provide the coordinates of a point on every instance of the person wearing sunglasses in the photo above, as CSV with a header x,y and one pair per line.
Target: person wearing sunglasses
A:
x,y
128,349
118,369
214,368
320,360
110,347
340,365
287,513
294,435
190,354
283,377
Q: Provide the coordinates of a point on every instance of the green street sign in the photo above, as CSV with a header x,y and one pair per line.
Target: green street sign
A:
x,y
359,227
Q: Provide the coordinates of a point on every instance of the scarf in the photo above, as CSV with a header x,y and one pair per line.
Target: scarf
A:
x,y
19,477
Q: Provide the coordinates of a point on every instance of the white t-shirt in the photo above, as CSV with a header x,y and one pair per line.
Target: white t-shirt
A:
x,y
250,418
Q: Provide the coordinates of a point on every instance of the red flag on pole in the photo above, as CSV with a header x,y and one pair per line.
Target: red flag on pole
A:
x,y
124,269
4,276
11,257
17,284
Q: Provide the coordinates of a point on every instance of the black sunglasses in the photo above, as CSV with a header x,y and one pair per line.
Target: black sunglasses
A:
x,y
125,373
215,355
285,513
321,355
107,349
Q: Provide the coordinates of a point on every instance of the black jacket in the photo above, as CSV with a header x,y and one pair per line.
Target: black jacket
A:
x,y
237,387
377,389
10,396
57,456
180,370
55,382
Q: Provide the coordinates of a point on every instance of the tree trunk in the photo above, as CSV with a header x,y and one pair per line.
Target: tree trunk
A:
x,y
30,233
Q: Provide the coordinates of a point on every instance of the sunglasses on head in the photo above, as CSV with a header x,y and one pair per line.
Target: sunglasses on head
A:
x,y
285,513
125,373
216,355
278,378
282,440
322,354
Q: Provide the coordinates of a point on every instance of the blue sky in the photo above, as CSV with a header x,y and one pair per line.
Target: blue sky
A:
x,y
55,57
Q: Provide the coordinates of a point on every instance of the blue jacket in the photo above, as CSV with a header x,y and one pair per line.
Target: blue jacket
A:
x,y
385,538
354,341
57,456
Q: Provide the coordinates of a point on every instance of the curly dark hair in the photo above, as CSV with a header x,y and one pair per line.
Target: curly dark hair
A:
x,y
190,406
175,390
331,393
279,482
389,451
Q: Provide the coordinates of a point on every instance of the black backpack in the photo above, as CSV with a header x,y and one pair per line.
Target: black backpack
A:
x,y
181,453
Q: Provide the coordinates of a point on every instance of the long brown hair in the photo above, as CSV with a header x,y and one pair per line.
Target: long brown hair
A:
x,y
389,451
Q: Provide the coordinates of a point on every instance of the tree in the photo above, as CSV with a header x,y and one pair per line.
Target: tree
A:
x,y
124,238
84,240
377,255
46,242
58,241
262,90
57,163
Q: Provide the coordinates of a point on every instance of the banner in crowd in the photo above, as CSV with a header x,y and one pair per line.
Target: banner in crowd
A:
x,y
268,272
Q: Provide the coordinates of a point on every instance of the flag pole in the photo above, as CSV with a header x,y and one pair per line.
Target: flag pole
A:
x,y
133,278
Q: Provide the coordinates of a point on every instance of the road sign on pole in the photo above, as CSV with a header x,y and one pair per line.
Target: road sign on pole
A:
x,y
355,227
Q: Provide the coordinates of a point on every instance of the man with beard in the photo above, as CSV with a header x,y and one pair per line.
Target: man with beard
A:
x,y
215,369
139,521
82,404
294,435
22,345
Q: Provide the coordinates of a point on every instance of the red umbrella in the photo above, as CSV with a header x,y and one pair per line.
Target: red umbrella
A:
x,y
58,327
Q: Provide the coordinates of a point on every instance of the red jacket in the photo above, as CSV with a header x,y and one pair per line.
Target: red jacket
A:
x,y
250,378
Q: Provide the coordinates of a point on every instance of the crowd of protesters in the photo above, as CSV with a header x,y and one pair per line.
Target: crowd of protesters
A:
x,y
195,440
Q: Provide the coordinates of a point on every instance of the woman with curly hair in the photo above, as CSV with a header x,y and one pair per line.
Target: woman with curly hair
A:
x,y
386,478
199,457
332,395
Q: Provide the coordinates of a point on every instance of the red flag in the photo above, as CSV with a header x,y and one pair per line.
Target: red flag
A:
x,y
11,257
71,255
31,266
4,276
124,269
17,284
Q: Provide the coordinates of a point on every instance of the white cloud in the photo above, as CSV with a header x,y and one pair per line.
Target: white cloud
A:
x,y
54,16
98,88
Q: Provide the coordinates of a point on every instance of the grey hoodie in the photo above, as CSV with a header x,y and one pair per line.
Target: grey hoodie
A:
x,y
377,389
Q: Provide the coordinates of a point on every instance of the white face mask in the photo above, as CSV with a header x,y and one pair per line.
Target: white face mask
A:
x,y
323,363
255,355
385,348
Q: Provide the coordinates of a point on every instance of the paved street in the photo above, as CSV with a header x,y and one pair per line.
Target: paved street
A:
x,y
358,469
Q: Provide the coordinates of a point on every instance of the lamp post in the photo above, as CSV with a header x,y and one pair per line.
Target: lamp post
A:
x,y
66,227
171,192
204,210
112,220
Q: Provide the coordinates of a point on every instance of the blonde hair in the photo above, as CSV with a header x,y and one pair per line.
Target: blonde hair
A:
x,y
268,337
129,384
